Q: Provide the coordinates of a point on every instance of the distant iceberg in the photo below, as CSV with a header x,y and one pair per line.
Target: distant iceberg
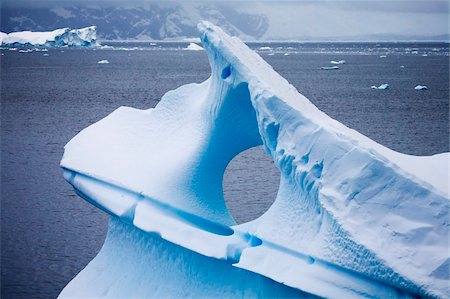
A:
x,y
104,61
338,62
85,37
420,87
352,218
382,86
329,68
193,47
2,36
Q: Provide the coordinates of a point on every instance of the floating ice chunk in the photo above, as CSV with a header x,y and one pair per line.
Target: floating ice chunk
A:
x,y
104,61
329,68
425,55
420,87
383,56
45,54
382,86
338,62
25,51
265,48
286,54
59,37
2,36
271,54
193,47
152,44
352,218
402,66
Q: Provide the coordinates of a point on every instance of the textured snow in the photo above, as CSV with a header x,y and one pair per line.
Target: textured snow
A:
x,y
59,37
352,218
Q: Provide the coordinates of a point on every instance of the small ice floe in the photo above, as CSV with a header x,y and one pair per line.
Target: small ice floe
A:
x,y
12,49
265,48
425,55
152,44
106,47
193,47
104,61
382,86
271,54
338,62
414,52
286,54
45,54
328,68
383,56
420,87
25,51
435,50
402,66
40,49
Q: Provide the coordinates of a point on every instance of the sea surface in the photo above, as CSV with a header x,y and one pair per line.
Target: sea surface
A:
x,y
48,234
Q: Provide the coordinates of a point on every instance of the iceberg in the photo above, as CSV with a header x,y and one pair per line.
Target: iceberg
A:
x,y
193,47
84,37
382,86
329,68
338,62
352,218
420,87
2,36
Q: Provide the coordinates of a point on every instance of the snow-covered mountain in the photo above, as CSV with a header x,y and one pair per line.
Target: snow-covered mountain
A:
x,y
156,21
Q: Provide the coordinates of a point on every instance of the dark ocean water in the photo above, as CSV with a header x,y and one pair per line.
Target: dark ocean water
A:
x,y
48,234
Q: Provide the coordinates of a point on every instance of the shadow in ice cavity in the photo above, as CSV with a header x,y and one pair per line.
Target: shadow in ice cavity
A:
x,y
250,184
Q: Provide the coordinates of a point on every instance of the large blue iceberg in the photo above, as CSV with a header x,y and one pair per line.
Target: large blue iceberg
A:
x,y
352,218
84,37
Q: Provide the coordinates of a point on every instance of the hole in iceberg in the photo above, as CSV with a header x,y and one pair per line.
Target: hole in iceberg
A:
x,y
226,72
250,184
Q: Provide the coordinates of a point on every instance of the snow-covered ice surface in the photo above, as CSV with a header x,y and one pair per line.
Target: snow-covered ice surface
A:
x,y
83,37
352,218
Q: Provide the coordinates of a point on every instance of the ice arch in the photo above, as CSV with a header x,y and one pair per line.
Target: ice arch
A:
x,y
250,184
345,222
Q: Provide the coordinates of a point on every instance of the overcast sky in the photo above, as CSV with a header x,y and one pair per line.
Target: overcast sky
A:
x,y
320,18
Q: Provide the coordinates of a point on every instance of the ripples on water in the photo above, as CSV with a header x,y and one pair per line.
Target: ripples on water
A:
x,y
49,234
